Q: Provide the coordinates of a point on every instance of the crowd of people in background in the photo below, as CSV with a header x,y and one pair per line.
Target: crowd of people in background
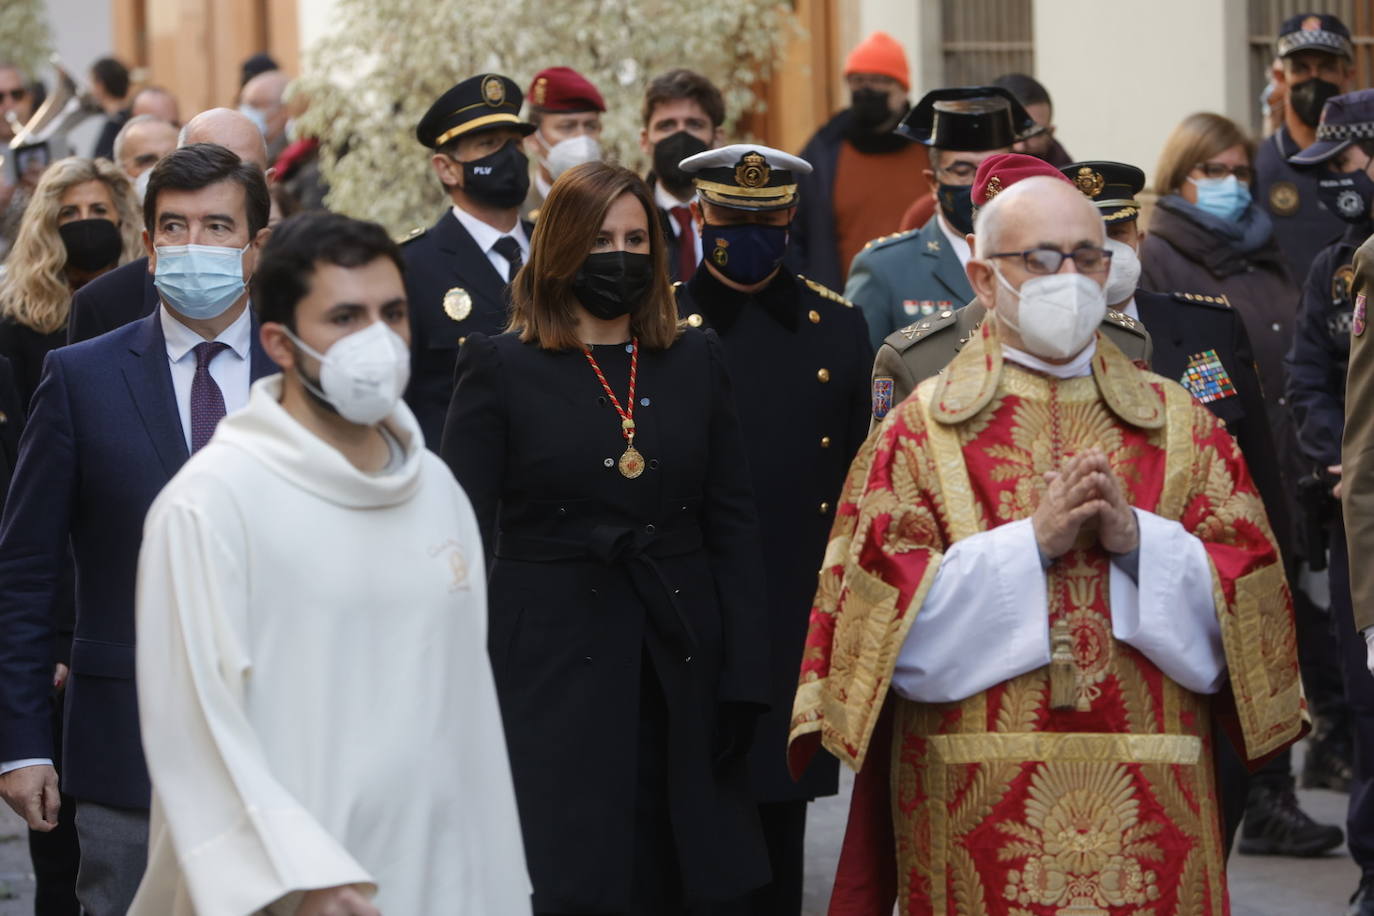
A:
x,y
599,424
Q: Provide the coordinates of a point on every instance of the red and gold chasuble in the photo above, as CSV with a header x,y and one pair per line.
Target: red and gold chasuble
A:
x,y
1003,804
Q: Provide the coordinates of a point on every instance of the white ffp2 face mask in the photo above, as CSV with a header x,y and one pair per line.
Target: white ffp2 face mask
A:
x,y
1057,314
363,375
1125,273
565,154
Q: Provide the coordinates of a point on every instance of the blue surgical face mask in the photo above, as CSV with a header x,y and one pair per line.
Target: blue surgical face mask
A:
x,y
256,115
1225,198
200,281
745,253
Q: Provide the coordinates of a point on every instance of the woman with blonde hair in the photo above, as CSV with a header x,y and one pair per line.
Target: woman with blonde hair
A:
x,y
81,222
598,442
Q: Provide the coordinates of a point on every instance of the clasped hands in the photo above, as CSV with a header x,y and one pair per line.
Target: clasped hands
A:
x,y
1084,494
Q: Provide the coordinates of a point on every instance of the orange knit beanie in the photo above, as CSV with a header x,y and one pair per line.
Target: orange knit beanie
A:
x,y
879,53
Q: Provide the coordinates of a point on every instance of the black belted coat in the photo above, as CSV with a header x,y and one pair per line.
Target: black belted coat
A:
x,y
594,575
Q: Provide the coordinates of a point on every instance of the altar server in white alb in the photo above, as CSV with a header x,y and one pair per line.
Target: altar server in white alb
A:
x,y
318,710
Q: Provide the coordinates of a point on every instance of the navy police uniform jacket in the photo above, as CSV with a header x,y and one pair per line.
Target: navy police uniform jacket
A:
x,y
1317,360
627,617
453,290
1302,224
799,360
1201,343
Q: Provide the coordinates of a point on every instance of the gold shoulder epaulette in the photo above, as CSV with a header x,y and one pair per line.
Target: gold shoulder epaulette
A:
x,y
412,235
1220,301
1121,319
883,238
914,333
821,289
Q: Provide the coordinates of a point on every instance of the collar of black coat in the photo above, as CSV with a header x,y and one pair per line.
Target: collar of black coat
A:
x,y
722,304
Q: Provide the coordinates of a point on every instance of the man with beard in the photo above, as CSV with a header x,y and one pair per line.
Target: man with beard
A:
x,y
904,278
1315,63
457,270
864,173
683,112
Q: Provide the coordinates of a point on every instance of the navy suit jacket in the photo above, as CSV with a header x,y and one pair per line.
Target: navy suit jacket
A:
x,y
102,439
111,301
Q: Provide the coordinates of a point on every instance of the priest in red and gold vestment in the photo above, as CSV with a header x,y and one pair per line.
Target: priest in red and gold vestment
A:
x,y
1048,572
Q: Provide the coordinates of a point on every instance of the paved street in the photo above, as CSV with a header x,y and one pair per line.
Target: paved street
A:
x,y
1259,886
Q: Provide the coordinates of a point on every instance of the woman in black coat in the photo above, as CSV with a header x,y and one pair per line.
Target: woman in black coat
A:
x,y
599,444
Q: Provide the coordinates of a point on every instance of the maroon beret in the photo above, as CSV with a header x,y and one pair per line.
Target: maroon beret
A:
x,y
564,89
997,173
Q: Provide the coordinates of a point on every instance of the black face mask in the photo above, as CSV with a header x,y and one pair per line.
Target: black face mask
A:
x,y
668,152
956,203
91,243
1309,97
870,108
1348,195
499,180
613,283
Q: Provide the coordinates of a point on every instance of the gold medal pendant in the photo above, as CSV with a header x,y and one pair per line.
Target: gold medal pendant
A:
x,y
631,463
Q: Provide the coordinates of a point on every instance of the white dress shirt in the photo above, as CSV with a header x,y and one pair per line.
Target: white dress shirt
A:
x,y
231,369
486,236
667,202
955,239
991,590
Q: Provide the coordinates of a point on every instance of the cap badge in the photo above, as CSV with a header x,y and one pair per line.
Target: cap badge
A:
x,y
493,91
752,171
541,90
457,303
1284,198
1312,23
720,256
1089,182
994,187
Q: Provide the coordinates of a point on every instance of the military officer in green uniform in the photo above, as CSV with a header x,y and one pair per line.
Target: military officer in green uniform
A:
x,y
918,275
923,348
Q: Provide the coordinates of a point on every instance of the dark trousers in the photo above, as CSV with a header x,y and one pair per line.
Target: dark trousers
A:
x,y
784,830
1359,693
56,854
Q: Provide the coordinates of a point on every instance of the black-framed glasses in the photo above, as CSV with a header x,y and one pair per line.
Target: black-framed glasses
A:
x,y
1221,170
15,95
959,169
1087,260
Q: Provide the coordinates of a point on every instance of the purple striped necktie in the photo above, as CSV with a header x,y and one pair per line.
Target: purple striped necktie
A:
x,y
207,401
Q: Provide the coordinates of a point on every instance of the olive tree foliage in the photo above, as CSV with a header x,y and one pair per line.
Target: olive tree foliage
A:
x,y
24,37
372,78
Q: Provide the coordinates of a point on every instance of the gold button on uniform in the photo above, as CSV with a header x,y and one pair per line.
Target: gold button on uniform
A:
x,y
825,508
825,442
462,340
815,316
694,320
823,375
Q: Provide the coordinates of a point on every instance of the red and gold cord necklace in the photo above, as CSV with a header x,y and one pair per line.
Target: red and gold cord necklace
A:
x,y
631,463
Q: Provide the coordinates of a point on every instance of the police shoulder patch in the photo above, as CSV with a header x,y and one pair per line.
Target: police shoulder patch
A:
x,y
824,291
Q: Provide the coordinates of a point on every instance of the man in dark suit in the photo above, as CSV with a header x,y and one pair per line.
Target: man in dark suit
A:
x,y
126,293
112,420
799,357
457,270
683,112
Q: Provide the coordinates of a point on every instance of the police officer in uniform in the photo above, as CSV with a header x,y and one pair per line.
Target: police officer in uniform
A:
x,y
1315,64
1343,160
457,270
919,274
923,348
798,355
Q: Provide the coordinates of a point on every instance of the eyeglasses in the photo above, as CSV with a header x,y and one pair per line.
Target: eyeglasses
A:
x,y
1087,260
1221,170
959,169
15,95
